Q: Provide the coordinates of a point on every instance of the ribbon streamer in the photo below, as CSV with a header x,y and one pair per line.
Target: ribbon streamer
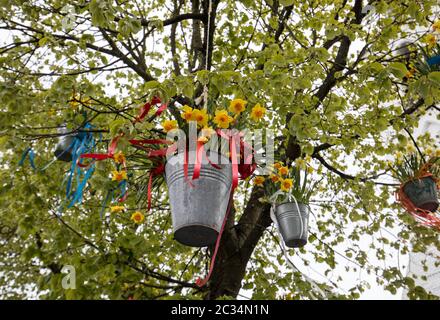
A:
x,y
433,60
29,152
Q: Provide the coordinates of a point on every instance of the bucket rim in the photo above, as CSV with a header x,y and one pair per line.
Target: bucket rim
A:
x,y
167,162
415,180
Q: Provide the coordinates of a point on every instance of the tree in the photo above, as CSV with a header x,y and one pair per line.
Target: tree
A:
x,y
331,81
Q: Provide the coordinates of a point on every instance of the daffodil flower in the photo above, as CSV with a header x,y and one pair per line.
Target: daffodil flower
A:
x,y
237,106
286,184
257,112
119,157
169,125
137,217
119,175
259,180
187,113
283,171
114,209
274,178
200,116
436,26
430,39
222,119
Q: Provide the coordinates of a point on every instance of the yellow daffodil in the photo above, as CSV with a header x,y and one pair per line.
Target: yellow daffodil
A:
x,y
300,163
203,139
283,171
86,102
257,112
207,131
410,148
259,180
430,39
119,157
237,106
114,209
399,157
277,165
429,151
75,101
200,116
274,178
74,104
137,217
187,113
410,73
286,184
169,125
437,153
436,26
222,119
119,175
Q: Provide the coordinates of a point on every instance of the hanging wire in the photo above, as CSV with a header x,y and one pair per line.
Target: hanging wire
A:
x,y
208,39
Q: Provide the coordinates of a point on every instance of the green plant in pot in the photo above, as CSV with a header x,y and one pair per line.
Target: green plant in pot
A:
x,y
418,178
290,190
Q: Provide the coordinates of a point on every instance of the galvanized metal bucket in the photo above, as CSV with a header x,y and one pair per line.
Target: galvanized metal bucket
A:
x,y
293,223
63,149
198,212
422,193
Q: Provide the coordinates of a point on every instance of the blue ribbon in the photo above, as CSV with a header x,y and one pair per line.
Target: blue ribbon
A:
x,y
109,195
83,142
123,186
28,152
433,60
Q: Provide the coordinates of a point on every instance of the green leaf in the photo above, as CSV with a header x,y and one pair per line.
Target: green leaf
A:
x,y
435,77
287,3
398,69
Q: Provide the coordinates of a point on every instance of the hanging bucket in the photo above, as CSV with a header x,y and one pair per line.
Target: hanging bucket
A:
x,y
198,211
422,193
63,149
293,224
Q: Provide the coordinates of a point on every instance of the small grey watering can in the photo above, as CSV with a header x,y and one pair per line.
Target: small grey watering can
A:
x,y
63,149
198,211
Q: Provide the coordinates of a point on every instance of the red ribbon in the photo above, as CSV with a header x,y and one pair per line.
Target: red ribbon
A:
x,y
102,156
152,153
235,171
147,107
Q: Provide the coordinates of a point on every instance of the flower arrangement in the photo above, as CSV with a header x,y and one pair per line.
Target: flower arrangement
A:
x,y
149,155
413,165
419,184
285,182
219,118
